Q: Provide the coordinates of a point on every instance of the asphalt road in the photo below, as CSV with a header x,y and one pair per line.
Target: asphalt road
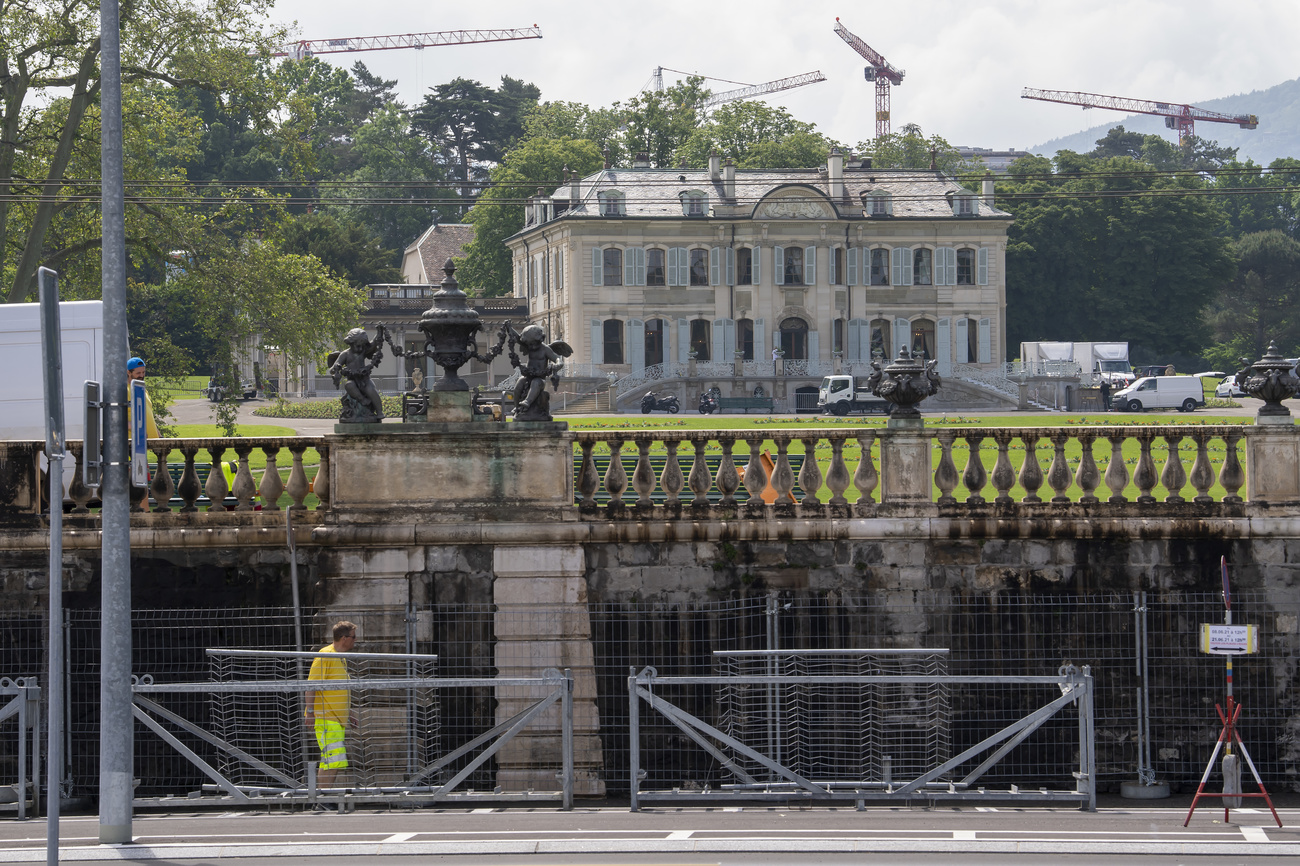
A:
x,y
1127,831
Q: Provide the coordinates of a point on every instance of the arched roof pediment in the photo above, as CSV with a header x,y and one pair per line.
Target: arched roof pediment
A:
x,y
796,201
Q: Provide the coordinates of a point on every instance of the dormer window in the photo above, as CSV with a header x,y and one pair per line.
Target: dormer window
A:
x,y
612,203
877,204
963,205
695,203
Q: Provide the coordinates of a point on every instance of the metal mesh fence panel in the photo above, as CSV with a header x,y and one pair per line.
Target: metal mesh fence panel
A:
x,y
22,654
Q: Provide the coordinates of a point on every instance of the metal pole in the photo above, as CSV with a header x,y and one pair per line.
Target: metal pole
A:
x,y
52,350
567,741
634,739
117,726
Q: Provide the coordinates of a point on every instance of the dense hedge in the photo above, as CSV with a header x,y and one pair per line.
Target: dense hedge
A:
x,y
319,408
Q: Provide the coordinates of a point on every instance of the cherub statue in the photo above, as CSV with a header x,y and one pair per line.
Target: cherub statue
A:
x,y
540,362
361,401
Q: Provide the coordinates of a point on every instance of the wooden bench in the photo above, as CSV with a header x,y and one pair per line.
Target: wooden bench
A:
x,y
766,404
657,461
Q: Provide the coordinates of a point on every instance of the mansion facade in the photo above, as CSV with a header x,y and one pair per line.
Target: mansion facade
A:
x,y
638,267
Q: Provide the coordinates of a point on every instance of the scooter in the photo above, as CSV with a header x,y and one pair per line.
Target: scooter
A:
x,y
651,403
708,402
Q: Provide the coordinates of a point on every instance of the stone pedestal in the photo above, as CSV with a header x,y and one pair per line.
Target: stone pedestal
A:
x,y
905,475
476,471
542,622
1273,461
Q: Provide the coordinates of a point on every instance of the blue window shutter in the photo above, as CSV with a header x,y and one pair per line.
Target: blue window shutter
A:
x,y
952,266
907,267
719,340
728,341
983,266
598,267
760,342
715,267
640,266
629,266
778,263
810,266
831,273
963,344
853,341
731,266
683,340
683,266
851,265
755,264
896,265
943,347
814,346
986,342
636,344
597,341
902,335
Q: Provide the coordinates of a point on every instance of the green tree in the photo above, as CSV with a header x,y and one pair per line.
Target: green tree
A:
x,y
603,127
1262,301
498,214
756,135
658,123
909,148
347,248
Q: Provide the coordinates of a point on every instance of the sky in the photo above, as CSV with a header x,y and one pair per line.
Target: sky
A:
x,y
966,62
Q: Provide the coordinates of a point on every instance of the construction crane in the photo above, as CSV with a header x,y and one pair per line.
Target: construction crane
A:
x,y
1180,117
746,91
308,47
880,71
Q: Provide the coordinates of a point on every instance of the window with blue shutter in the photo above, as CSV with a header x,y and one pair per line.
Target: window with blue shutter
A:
x,y
715,266
778,261
755,262
597,341
983,266
851,265
598,267
731,266
986,341
963,343
810,266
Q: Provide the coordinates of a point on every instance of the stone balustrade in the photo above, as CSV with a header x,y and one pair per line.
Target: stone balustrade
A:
x,y
859,470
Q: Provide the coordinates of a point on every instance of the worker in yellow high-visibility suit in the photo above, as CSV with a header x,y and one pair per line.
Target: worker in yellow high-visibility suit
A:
x,y
328,710
135,370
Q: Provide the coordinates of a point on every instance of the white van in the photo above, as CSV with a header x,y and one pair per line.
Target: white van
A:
x,y
1184,393
22,390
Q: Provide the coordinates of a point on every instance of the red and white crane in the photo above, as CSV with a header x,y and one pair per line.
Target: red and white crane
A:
x,y
879,70
307,47
1180,117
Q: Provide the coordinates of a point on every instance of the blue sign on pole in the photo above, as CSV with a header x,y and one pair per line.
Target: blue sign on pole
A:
x,y
139,436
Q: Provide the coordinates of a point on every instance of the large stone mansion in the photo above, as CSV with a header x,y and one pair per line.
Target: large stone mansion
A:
x,y
638,267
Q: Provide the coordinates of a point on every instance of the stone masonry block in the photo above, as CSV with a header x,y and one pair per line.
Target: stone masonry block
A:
x,y
549,561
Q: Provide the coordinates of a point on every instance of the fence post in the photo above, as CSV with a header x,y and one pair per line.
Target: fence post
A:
x,y
1088,743
634,738
566,746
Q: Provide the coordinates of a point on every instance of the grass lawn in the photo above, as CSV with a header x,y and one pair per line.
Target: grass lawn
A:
x,y
188,390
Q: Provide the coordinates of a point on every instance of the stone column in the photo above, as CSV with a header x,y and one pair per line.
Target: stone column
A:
x,y
542,622
1273,460
905,476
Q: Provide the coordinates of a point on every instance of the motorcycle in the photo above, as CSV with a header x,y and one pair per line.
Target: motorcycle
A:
x,y
651,403
709,402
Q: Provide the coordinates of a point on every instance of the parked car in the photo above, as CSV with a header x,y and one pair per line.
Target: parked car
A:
x,y
214,392
1228,388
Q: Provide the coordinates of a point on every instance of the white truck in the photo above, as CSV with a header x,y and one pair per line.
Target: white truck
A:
x,y
1095,361
848,395
22,389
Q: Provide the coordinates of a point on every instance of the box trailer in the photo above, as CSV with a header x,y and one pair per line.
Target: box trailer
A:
x,y
22,389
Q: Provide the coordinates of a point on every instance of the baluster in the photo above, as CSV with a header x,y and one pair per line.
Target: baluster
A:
x,y
1144,475
78,492
1031,473
1116,471
671,479
216,488
782,475
810,474
162,486
1087,476
139,497
1173,477
615,475
1058,474
1231,475
320,485
865,477
755,475
700,479
271,486
728,478
189,489
1004,476
945,474
1202,476
837,474
297,486
643,477
244,490
588,477
975,477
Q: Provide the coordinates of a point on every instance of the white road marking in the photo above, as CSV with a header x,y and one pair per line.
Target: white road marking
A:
x,y
399,837
481,811
734,809
985,808
963,835
1254,834
679,834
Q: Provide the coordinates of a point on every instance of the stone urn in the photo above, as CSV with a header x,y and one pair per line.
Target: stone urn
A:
x,y
449,327
1270,379
905,383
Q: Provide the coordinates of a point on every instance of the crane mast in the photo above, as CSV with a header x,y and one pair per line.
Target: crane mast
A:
x,y
1177,116
879,70
307,47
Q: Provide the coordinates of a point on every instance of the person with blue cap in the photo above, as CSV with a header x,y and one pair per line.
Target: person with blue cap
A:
x,y
135,370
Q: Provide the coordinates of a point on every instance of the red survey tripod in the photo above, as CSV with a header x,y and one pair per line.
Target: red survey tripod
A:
x,y
1227,642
